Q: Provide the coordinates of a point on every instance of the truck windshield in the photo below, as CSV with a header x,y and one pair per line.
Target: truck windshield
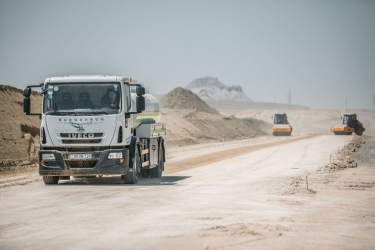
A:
x,y
82,99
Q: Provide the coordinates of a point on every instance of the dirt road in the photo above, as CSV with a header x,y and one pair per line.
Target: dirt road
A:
x,y
256,199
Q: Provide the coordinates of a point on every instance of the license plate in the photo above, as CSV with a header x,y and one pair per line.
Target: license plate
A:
x,y
80,156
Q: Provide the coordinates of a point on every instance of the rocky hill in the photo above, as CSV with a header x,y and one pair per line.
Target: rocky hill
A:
x,y
210,88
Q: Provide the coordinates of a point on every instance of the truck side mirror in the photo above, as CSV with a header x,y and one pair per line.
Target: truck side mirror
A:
x,y
26,100
140,91
27,92
141,103
26,105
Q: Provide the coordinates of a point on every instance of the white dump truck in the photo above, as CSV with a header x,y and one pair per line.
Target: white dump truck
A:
x,y
95,125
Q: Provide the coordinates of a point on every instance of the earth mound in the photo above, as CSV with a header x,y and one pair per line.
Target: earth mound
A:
x,y
20,133
191,120
180,98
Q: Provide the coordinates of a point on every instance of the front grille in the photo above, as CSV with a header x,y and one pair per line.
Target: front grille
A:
x,y
86,149
82,164
85,141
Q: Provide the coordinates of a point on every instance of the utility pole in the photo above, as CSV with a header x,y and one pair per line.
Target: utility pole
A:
x,y
289,98
346,104
373,102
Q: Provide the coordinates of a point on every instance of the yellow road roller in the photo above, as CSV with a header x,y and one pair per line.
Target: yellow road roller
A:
x,y
349,125
281,126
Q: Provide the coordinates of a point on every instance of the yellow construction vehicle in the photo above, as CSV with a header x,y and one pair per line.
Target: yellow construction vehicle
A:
x,y
349,125
281,125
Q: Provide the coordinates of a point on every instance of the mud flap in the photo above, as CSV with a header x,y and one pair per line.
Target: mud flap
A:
x,y
161,144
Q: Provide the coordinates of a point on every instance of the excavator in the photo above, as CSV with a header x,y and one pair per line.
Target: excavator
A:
x,y
349,125
281,125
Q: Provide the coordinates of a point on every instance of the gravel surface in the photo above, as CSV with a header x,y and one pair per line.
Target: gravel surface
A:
x,y
257,199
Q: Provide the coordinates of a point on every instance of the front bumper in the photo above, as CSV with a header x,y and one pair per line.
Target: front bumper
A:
x,y
99,164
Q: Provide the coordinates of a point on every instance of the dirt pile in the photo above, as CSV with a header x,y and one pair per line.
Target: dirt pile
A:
x,y
19,140
343,158
190,120
180,98
186,127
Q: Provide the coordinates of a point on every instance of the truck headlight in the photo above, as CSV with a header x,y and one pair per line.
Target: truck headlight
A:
x,y
48,156
115,155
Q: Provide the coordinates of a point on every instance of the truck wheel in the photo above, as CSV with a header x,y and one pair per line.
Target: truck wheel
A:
x,y
131,177
50,180
358,131
157,171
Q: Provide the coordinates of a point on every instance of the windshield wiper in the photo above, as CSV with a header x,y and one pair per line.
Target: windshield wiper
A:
x,y
60,113
100,112
69,113
53,113
64,113
93,113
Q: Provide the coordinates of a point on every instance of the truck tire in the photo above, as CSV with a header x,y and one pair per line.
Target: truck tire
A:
x,y
131,177
48,180
158,171
358,131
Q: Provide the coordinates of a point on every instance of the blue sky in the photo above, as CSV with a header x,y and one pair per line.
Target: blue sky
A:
x,y
323,51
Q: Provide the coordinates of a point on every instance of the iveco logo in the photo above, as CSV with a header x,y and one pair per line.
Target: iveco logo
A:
x,y
81,135
81,127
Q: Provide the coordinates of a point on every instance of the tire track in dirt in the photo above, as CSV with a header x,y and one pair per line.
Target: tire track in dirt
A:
x,y
303,156
172,167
